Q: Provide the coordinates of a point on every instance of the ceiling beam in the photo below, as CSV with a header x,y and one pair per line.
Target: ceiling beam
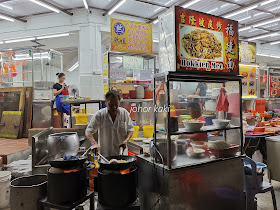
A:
x,y
152,3
16,18
241,5
56,7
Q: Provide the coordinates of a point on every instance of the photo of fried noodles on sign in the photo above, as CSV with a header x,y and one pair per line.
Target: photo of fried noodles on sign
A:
x,y
203,44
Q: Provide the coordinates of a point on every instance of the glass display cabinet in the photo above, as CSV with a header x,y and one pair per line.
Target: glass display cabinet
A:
x,y
191,110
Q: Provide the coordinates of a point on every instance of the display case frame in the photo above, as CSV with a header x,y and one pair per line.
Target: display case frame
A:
x,y
181,76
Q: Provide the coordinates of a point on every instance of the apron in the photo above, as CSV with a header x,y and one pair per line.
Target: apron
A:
x,y
60,107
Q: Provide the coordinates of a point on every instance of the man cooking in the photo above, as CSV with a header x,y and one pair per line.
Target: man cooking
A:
x,y
113,124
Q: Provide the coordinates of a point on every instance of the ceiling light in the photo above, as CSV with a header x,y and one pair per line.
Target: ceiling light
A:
x,y
120,3
155,21
168,2
1,42
274,8
190,3
271,56
7,18
213,10
251,65
6,6
267,2
53,36
241,11
72,68
45,5
86,4
276,42
158,9
244,18
156,40
263,36
225,5
20,40
244,29
257,14
267,22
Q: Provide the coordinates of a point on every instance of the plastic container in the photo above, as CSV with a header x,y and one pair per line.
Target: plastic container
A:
x,y
148,94
125,95
27,190
132,94
260,105
259,129
135,132
148,131
81,119
5,178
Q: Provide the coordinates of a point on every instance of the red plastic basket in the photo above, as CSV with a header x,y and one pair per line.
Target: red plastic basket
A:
x,y
230,152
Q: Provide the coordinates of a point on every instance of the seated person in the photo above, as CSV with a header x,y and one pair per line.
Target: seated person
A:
x,y
195,111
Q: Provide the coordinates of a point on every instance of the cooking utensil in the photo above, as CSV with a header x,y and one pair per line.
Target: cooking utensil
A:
x,y
161,147
61,144
66,164
105,159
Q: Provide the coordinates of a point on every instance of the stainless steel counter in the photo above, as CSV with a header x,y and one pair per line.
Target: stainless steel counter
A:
x,y
200,185
273,157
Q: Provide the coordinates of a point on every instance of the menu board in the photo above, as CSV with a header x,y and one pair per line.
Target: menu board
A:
x,y
129,36
105,72
133,62
247,52
205,42
274,89
249,84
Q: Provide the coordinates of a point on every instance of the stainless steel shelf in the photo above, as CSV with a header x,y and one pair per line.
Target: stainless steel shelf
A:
x,y
204,129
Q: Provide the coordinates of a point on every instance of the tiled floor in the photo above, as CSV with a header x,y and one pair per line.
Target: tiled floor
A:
x,y
10,146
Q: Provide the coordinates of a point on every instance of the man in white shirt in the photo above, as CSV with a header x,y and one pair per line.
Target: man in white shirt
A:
x,y
113,124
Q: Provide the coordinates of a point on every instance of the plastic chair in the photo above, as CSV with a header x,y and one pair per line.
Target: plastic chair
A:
x,y
256,188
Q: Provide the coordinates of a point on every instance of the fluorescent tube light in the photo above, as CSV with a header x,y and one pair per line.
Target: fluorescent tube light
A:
x,y
251,65
276,42
6,6
45,5
258,14
267,2
244,18
244,29
7,18
120,3
266,22
156,40
190,3
20,40
53,36
274,8
72,68
155,21
86,4
213,10
241,11
158,9
263,36
168,2
1,42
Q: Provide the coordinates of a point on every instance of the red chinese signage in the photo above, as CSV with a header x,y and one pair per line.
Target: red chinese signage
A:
x,y
205,42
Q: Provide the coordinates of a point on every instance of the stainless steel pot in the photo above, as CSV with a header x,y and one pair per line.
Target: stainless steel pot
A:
x,y
161,147
182,145
61,144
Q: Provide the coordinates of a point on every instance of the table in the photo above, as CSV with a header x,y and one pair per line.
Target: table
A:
x,y
79,102
254,143
44,203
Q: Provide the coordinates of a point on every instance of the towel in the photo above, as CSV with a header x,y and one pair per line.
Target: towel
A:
x,y
222,103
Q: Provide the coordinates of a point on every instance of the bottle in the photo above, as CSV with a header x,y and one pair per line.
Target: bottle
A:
x,y
65,93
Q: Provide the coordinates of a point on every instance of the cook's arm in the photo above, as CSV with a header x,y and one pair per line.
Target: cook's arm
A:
x,y
128,136
92,128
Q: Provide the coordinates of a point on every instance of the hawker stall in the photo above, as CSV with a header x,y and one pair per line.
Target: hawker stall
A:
x,y
195,157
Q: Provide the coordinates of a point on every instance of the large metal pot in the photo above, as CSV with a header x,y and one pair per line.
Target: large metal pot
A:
x,y
161,147
61,144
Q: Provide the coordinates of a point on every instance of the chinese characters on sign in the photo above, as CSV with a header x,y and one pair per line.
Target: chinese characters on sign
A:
x,y
133,62
206,42
128,36
249,87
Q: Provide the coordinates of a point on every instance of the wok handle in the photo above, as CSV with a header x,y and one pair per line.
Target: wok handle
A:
x,y
122,148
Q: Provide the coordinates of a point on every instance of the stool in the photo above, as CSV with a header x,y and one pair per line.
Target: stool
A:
x,y
45,203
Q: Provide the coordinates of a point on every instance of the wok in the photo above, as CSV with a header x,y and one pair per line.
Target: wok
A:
x,y
66,164
117,166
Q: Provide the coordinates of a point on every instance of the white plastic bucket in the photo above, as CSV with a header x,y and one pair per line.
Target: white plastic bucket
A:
x,y
5,179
